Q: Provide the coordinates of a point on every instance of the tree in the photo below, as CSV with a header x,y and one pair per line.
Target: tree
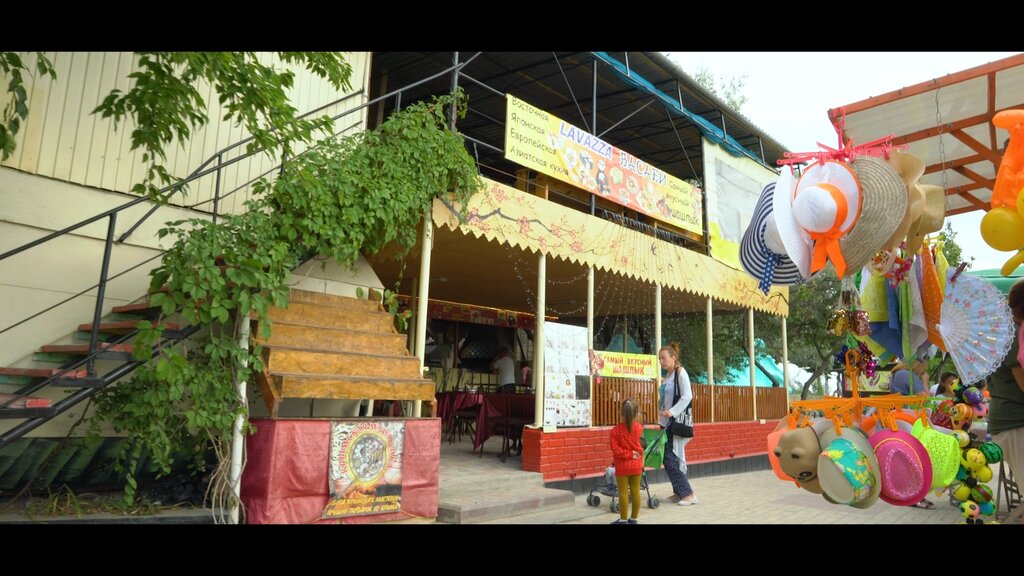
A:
x,y
730,91
811,346
950,249
165,103
16,110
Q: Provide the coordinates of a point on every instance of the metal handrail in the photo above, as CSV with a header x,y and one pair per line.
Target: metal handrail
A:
x,y
199,172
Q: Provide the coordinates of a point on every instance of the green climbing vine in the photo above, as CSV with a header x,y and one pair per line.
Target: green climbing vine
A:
x,y
344,197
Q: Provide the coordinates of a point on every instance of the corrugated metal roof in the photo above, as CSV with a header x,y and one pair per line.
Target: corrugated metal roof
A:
x,y
947,123
563,84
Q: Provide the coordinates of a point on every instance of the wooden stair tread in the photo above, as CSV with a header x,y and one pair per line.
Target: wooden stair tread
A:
x,y
344,377
26,402
41,372
335,351
122,326
298,296
129,308
84,348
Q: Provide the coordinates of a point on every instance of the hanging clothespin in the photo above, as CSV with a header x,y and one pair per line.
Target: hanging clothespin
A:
x,y
959,270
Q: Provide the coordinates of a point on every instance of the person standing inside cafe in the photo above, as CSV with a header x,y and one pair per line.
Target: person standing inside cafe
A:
x,y
506,371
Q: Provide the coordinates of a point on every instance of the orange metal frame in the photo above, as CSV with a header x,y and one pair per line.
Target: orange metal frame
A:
x,y
984,152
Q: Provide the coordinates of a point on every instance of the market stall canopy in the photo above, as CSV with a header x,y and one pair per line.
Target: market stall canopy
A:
x,y
995,277
947,122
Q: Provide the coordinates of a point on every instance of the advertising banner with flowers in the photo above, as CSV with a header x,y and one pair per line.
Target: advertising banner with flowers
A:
x,y
552,146
365,468
503,214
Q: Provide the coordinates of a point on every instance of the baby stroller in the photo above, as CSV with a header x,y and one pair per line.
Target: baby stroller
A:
x,y
653,455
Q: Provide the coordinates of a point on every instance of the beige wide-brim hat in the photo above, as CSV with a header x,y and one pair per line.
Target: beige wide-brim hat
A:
x,y
884,203
910,169
931,218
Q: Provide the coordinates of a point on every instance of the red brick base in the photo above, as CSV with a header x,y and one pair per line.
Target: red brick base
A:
x,y
584,452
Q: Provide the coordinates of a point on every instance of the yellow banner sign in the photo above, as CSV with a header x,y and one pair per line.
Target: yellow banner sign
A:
x,y
548,144
622,365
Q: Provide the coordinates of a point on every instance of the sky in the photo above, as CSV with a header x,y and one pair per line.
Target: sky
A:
x,y
789,95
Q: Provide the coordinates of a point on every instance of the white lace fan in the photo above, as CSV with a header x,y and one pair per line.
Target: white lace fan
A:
x,y
975,326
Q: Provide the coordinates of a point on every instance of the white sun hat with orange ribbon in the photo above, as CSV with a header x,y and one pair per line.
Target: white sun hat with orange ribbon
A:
x,y
826,205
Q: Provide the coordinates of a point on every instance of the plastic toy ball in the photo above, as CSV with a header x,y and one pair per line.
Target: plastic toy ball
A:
x,y
946,407
962,412
983,474
960,490
980,411
973,396
969,510
962,473
987,508
973,459
993,453
962,437
956,386
981,493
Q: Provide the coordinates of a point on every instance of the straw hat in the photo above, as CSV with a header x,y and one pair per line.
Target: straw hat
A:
x,y
932,215
794,239
910,169
848,470
762,252
826,205
904,467
884,205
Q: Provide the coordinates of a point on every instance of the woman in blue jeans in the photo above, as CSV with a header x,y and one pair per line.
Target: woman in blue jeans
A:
x,y
675,449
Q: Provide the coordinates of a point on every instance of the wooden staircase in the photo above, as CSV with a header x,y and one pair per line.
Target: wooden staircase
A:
x,y
324,346
21,383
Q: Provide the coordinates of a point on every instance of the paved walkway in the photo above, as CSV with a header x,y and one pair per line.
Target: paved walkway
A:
x,y
749,498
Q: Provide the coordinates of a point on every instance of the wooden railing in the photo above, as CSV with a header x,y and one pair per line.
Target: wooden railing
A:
x,y
771,403
609,394
735,403
732,403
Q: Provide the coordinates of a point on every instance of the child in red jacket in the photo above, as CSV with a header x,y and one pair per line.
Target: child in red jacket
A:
x,y
628,456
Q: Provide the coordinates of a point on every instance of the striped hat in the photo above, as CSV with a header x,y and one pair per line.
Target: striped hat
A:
x,y
762,253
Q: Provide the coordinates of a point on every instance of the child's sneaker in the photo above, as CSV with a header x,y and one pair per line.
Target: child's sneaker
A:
x,y
631,521
621,521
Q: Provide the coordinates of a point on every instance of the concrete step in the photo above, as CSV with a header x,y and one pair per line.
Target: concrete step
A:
x,y
287,361
477,507
343,387
334,339
461,474
322,299
330,317
567,515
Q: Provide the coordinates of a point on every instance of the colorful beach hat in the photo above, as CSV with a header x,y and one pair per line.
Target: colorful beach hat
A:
x,y
904,467
848,470
762,253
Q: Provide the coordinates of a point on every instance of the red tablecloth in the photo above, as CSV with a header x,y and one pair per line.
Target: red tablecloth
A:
x,y
448,403
492,410
285,477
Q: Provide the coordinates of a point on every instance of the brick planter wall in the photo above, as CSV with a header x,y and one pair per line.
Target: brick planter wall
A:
x,y
584,452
